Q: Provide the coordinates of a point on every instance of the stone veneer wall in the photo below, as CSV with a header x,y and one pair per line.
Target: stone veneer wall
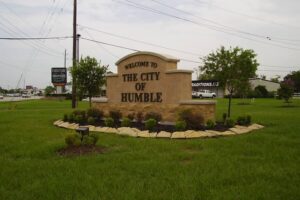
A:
x,y
169,112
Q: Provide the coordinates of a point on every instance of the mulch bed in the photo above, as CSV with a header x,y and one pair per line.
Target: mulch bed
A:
x,y
81,150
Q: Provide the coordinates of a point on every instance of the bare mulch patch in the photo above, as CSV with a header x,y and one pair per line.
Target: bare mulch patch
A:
x,y
81,150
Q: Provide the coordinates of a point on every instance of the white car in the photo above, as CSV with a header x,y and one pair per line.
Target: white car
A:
x,y
204,94
1,96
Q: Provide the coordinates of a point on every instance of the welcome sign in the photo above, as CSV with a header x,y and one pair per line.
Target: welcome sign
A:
x,y
145,77
150,82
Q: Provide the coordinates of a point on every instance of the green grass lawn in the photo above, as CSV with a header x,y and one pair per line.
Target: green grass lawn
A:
x,y
264,164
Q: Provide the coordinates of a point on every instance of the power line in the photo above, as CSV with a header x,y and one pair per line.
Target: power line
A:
x,y
245,15
139,6
36,38
139,41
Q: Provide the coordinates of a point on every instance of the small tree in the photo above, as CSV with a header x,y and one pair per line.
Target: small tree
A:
x,y
90,76
232,68
285,91
49,90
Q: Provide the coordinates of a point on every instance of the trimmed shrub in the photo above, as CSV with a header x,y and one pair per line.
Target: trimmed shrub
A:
x,y
95,136
210,124
73,139
153,115
89,140
115,115
131,116
109,122
150,124
244,120
126,122
79,116
71,118
229,123
139,117
193,120
180,126
66,118
95,113
91,120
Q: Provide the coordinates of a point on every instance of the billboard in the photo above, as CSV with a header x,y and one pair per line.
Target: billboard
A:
x,y
59,76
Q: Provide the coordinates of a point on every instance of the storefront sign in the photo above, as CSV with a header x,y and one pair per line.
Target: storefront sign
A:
x,y
59,76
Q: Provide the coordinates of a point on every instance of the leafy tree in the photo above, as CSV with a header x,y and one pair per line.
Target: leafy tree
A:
x,y
90,76
48,90
275,79
294,78
261,91
232,68
285,91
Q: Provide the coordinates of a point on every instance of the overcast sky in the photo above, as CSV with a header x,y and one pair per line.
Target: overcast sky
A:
x,y
194,27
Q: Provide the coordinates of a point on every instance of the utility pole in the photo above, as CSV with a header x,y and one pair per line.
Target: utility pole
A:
x,y
74,93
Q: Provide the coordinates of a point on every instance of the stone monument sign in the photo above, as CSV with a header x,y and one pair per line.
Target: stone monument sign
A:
x,y
148,81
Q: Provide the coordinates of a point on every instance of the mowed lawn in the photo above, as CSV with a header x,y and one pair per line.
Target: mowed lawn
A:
x,y
264,164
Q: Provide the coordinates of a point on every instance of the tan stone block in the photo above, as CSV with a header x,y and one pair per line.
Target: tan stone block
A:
x,y
144,134
64,125
240,129
163,134
91,128
58,122
211,133
152,134
127,131
109,130
193,134
227,133
73,126
178,135
255,126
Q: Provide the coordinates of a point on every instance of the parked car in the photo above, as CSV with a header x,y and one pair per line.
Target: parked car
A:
x,y
1,96
26,96
204,94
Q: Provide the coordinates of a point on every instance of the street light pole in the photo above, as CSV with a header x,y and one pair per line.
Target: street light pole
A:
x,y
74,93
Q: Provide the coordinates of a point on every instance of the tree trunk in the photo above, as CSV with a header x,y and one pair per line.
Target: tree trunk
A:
x,y
90,100
229,105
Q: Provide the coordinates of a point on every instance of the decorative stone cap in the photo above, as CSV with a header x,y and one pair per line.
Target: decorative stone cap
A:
x,y
197,102
164,57
100,100
173,71
111,75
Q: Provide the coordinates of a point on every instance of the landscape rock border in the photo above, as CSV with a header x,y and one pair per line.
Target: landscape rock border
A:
x,y
189,134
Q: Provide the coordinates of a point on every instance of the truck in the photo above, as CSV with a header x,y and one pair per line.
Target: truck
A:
x,y
203,94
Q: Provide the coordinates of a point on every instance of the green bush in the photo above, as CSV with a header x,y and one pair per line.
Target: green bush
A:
x,y
150,124
210,124
229,123
139,117
95,113
109,122
126,122
180,126
244,120
80,116
66,118
116,115
71,118
95,136
193,120
131,116
73,139
91,120
153,115
89,139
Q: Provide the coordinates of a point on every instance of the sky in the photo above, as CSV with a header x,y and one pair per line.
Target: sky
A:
x,y
185,29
